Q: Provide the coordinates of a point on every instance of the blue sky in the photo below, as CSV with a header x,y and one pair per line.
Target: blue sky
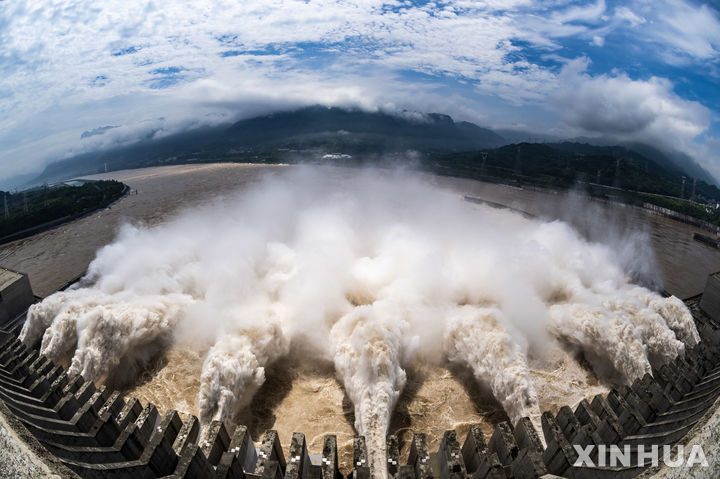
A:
x,y
638,70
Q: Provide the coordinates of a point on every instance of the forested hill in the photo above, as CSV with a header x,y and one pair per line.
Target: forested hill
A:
x,y
286,137
434,142
311,133
608,171
29,211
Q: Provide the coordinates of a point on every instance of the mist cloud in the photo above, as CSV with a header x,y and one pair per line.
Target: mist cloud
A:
x,y
370,270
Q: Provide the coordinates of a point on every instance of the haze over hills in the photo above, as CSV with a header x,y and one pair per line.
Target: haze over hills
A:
x,y
674,160
432,131
564,164
272,137
358,137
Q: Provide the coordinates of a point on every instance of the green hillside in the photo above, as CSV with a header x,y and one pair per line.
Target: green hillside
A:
x,y
612,172
27,210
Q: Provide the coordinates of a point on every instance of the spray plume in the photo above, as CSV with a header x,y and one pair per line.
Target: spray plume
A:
x,y
370,270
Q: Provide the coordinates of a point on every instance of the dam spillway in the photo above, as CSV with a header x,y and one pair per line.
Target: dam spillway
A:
x,y
422,414
67,427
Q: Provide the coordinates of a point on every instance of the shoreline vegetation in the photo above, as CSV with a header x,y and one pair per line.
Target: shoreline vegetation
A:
x,y
28,212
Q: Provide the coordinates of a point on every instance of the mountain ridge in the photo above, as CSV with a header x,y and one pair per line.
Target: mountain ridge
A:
x,y
306,133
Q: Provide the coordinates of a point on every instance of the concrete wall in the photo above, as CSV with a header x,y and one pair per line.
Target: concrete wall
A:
x,y
50,418
710,302
705,434
53,425
21,456
15,298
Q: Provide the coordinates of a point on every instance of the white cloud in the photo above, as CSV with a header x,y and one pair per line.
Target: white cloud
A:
x,y
686,31
129,62
585,13
618,106
624,13
69,66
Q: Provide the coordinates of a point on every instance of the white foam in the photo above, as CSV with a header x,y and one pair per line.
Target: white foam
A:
x,y
372,271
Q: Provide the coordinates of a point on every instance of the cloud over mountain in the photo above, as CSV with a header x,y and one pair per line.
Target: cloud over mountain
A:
x,y
156,65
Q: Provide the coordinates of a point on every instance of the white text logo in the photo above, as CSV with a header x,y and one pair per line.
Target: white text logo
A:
x,y
640,456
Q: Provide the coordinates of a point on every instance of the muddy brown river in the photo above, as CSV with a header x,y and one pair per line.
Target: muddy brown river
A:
x,y
306,397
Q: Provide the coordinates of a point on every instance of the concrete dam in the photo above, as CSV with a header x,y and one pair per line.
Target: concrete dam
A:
x,y
54,425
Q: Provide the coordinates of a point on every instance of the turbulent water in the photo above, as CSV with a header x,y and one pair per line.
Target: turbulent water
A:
x,y
372,274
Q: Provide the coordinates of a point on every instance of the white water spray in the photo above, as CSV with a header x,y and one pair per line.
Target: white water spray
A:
x,y
370,270
234,370
476,337
367,345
